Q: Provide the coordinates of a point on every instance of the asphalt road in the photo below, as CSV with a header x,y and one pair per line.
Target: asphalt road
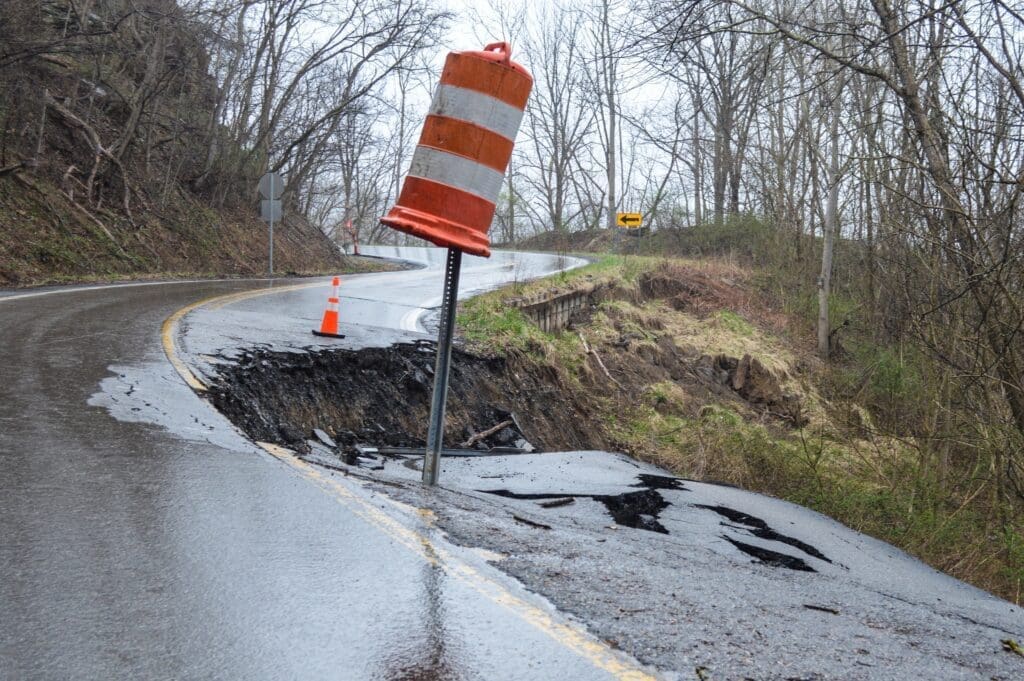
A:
x,y
144,537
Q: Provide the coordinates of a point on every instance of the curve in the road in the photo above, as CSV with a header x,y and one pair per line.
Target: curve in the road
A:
x,y
574,638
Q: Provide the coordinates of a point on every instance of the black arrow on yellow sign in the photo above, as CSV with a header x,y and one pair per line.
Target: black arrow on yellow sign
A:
x,y
630,220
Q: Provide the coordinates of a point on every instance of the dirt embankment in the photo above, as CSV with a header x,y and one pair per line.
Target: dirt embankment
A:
x,y
47,237
381,396
107,171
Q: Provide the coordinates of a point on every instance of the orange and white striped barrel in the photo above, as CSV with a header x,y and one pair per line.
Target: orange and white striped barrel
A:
x,y
449,195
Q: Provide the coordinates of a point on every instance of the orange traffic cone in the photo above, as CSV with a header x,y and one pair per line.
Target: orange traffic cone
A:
x,y
329,324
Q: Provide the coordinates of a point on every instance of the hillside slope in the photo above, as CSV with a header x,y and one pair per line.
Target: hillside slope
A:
x,y
688,364
46,237
103,171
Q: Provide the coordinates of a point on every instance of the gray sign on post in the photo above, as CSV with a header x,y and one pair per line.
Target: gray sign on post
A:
x,y
270,210
271,187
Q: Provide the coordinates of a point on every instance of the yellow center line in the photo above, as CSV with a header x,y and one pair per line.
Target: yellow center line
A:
x,y
218,303
572,637
169,330
167,336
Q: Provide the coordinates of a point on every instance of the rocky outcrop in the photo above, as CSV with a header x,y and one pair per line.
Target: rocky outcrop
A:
x,y
755,383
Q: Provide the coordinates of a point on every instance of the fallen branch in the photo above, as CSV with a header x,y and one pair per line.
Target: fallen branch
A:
x,y
590,351
486,433
99,224
531,523
555,503
100,152
13,168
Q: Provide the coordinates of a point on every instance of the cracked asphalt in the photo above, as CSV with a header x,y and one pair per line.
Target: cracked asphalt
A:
x,y
143,536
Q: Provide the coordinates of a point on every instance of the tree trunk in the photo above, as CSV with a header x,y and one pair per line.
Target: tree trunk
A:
x,y
830,227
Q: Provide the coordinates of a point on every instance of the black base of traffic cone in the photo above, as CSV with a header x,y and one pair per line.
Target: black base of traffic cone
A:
x,y
328,335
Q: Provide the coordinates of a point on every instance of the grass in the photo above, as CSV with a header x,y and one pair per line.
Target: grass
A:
x,y
47,240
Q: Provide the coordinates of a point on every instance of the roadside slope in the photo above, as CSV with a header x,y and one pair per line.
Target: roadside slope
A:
x,y
686,364
689,576
106,171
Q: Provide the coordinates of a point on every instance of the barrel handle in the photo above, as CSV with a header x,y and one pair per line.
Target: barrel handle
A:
x,y
503,47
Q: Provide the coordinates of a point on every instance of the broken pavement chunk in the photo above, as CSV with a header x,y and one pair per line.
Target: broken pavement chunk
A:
x,y
325,438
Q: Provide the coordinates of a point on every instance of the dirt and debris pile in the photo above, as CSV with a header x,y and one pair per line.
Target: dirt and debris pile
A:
x,y
752,381
688,289
381,397
646,348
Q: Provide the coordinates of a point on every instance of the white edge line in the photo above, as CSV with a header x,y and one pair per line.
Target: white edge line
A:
x,y
103,287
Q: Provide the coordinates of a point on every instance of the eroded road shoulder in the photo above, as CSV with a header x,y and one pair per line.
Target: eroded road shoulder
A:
x,y
678,574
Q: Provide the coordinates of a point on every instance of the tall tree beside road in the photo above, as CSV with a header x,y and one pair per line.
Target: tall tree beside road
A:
x,y
934,114
207,93
559,122
295,69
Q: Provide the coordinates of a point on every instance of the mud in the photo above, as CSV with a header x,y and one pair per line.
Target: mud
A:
x,y
380,397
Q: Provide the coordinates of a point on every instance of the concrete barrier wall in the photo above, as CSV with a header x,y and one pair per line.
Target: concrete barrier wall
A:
x,y
553,313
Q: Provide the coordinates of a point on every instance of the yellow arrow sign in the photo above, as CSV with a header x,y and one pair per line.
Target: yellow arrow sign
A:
x,y
629,220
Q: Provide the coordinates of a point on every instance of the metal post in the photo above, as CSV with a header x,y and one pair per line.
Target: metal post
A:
x,y
435,435
271,225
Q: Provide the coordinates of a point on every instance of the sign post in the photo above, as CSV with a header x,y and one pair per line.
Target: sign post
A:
x,y
271,187
449,195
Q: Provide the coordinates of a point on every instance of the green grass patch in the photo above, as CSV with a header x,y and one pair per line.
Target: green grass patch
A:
x,y
734,323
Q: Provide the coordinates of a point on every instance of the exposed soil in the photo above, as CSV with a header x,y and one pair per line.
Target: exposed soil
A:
x,y
46,239
381,397
691,290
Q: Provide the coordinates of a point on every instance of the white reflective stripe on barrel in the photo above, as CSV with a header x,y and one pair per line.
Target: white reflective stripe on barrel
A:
x,y
456,171
475,107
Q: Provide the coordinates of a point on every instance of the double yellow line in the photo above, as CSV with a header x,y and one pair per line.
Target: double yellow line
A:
x,y
423,546
169,330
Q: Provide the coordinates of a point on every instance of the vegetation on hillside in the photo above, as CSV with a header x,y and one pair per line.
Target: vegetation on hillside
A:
x,y
133,133
865,157
862,438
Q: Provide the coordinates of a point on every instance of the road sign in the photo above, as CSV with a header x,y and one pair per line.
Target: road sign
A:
x,y
270,210
271,186
629,220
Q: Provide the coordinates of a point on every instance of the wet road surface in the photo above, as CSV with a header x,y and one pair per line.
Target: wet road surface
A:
x,y
149,539
142,537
